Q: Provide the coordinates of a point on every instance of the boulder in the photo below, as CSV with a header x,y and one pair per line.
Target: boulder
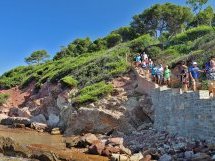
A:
x,y
20,112
39,126
81,141
16,120
84,121
10,148
72,141
89,138
39,118
97,148
109,150
56,131
116,141
53,120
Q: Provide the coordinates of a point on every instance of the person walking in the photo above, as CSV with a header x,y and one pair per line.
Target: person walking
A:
x,y
194,73
184,76
159,74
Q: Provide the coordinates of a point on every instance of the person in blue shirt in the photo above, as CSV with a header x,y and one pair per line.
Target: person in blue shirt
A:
x,y
194,72
138,60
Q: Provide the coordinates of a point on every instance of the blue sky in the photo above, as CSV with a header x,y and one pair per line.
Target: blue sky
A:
x,y
29,25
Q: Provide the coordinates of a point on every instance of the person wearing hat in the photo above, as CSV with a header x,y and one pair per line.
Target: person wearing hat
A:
x,y
194,73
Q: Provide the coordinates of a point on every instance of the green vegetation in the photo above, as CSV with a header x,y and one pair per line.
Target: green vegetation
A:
x,y
69,81
93,92
3,98
139,44
37,57
169,33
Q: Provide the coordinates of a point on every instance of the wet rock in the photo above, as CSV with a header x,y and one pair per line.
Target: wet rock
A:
x,y
72,141
81,141
45,156
16,120
39,126
18,126
97,148
165,157
10,148
39,118
56,131
108,150
53,120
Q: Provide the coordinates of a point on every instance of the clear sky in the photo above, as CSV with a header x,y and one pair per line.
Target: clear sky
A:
x,y
29,25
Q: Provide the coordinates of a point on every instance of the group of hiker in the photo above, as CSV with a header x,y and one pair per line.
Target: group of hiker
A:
x,y
158,73
188,73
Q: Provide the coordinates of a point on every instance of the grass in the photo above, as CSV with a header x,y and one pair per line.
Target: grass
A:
x,y
69,81
93,92
3,98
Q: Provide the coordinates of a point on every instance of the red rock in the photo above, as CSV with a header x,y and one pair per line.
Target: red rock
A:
x,y
116,141
96,148
110,150
89,138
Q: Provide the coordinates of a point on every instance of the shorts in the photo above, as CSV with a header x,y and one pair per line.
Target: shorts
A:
x,y
160,77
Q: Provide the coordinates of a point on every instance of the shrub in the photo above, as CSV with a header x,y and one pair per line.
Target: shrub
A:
x,y
69,81
93,92
113,40
3,98
154,52
191,34
139,44
182,48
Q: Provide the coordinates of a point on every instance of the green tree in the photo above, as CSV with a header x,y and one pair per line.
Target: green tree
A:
x,y
113,40
97,45
204,17
64,52
37,57
127,33
162,18
79,46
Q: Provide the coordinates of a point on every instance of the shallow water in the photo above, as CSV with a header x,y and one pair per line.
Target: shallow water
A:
x,y
55,143
26,137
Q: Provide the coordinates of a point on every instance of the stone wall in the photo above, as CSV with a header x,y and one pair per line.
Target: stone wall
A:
x,y
189,114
